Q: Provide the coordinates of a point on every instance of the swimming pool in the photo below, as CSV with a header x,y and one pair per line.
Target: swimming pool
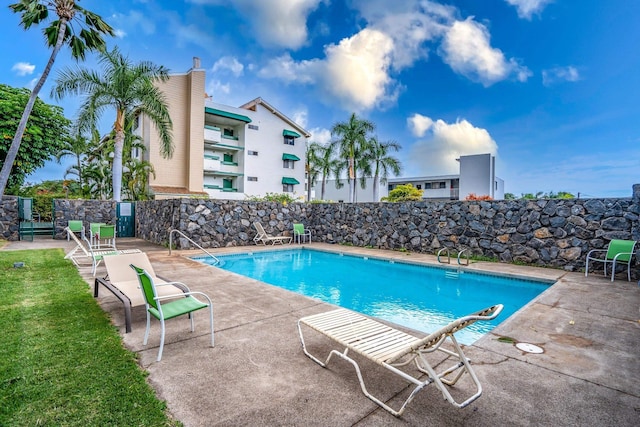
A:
x,y
420,297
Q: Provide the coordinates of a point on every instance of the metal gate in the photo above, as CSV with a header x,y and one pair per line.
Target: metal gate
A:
x,y
126,214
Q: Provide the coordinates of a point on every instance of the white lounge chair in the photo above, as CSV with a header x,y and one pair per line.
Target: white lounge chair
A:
x,y
123,282
391,349
263,238
86,252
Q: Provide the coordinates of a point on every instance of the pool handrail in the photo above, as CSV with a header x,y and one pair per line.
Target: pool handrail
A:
x,y
217,261
460,255
448,256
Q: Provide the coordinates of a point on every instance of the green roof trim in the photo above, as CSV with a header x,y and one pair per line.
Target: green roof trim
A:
x,y
288,180
227,114
290,133
286,156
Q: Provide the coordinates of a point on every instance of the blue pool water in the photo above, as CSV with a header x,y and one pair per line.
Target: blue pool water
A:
x,y
419,297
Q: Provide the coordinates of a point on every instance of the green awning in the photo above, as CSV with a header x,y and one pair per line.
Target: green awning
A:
x,y
287,180
293,157
227,114
290,133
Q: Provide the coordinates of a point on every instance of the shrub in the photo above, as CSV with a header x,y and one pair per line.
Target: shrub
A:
x,y
404,193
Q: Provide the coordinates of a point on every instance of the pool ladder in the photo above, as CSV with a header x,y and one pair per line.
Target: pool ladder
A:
x,y
453,274
216,260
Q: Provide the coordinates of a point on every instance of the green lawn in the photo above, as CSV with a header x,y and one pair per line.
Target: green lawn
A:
x,y
61,361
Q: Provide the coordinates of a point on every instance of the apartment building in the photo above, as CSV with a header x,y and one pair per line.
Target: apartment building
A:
x,y
223,152
477,175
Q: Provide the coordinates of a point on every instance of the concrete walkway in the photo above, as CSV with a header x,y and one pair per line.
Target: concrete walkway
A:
x,y
589,373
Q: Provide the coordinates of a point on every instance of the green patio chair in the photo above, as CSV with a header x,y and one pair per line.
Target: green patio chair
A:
x,y
177,305
75,226
94,231
618,252
106,236
300,234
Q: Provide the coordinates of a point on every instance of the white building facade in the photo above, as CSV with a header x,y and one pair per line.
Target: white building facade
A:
x,y
224,152
477,176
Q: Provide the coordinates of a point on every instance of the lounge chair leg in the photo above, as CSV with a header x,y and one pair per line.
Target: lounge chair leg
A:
x,y
146,332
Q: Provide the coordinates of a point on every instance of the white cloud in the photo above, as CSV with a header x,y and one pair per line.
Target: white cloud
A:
x,y
135,21
216,87
409,23
446,142
527,8
279,23
355,71
560,74
23,68
228,63
419,124
320,135
467,50
301,117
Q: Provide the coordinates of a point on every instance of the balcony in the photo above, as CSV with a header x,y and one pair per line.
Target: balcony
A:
x,y
212,135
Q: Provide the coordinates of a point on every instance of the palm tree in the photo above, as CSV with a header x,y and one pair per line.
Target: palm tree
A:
x,y
127,87
327,165
383,162
61,31
351,142
311,166
77,147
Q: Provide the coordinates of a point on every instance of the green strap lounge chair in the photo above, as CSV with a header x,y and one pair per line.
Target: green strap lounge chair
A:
x,y
169,306
618,252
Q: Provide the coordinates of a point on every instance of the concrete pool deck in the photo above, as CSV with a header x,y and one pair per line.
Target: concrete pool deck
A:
x,y
257,374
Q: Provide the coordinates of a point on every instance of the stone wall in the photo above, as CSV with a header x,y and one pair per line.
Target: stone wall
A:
x,y
554,233
215,223
86,210
9,223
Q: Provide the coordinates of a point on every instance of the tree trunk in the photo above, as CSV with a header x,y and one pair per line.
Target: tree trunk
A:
x,y
324,180
376,190
22,126
117,155
352,180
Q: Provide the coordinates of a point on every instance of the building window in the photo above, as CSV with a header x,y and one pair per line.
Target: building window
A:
x,y
252,153
228,158
136,122
390,187
288,164
289,140
427,186
443,185
252,178
287,188
419,186
253,127
227,132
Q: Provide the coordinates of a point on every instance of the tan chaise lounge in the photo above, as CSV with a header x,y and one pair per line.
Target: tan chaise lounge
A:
x,y
123,282
263,238
392,349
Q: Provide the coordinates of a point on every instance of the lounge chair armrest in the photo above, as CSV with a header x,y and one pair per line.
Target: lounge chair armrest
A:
x,y
182,295
180,285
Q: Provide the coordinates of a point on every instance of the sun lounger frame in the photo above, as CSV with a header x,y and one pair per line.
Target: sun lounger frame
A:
x,y
392,349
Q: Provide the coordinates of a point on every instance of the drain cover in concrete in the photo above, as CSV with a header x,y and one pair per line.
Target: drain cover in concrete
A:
x,y
529,348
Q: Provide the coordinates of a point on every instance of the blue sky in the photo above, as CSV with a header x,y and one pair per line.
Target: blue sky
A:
x,y
551,87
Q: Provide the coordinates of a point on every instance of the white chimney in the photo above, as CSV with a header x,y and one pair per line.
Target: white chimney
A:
x,y
196,62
